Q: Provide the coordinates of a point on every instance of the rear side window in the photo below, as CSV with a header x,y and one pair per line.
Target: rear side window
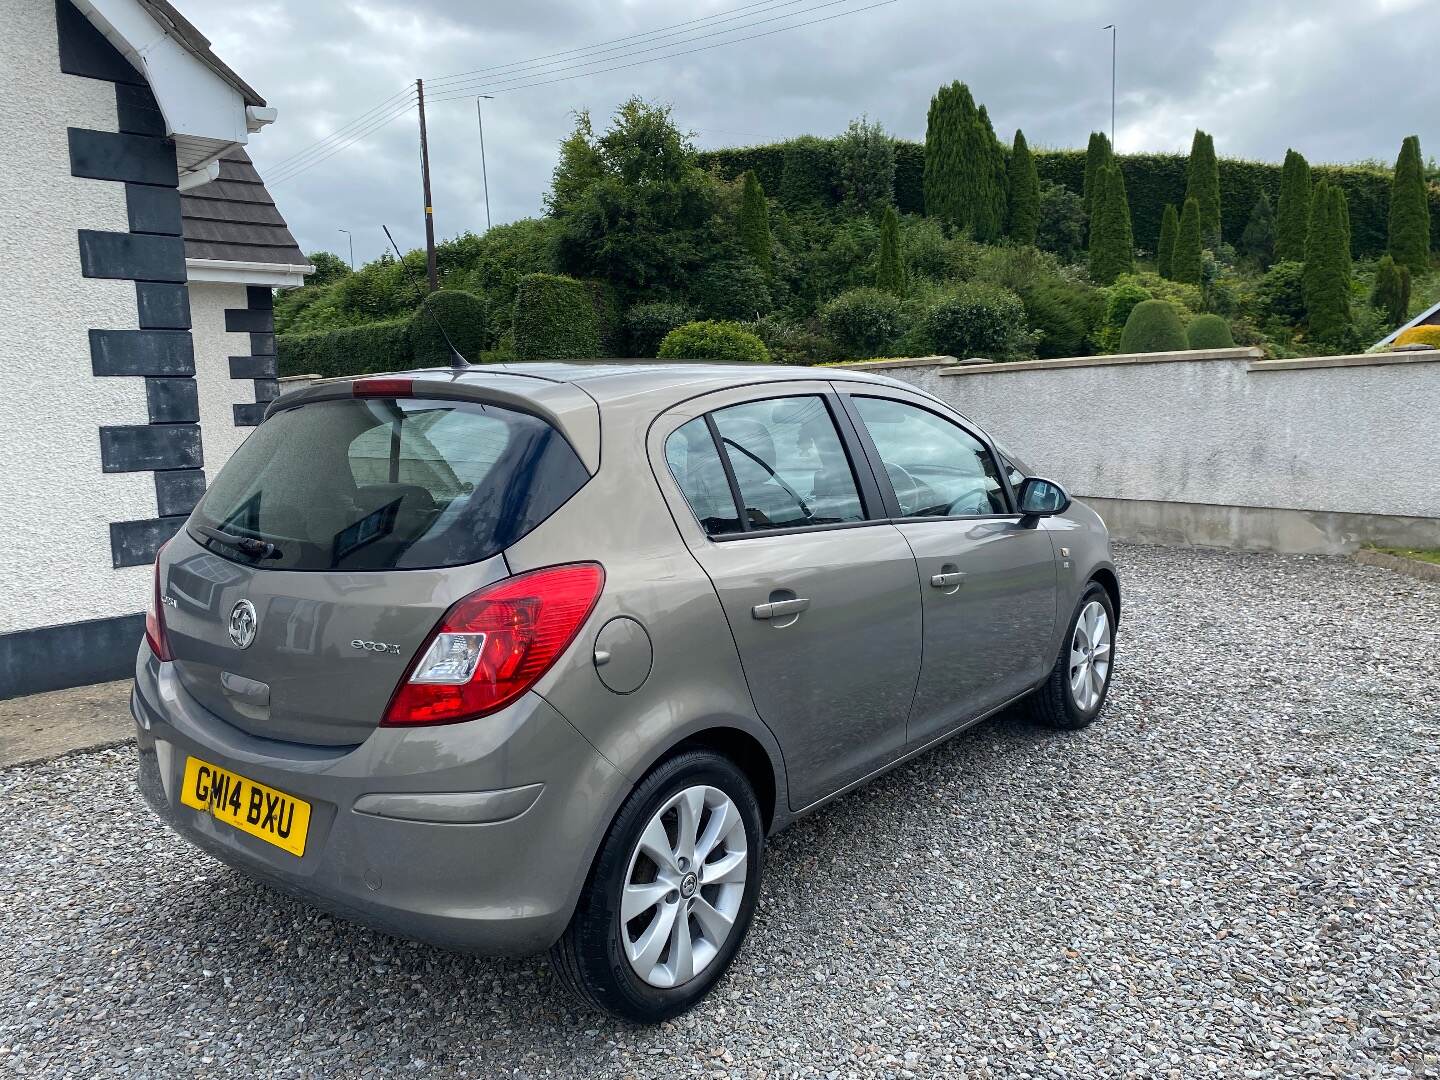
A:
x,y
381,483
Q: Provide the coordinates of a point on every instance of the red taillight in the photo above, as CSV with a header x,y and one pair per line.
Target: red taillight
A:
x,y
155,616
493,645
381,387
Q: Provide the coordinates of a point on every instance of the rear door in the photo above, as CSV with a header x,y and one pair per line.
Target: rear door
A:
x,y
821,595
332,542
987,579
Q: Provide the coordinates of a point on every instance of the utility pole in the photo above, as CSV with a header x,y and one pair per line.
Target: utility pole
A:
x,y
1113,32
483,174
431,274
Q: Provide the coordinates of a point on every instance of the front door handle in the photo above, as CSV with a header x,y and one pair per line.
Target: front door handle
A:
x,y
947,580
779,609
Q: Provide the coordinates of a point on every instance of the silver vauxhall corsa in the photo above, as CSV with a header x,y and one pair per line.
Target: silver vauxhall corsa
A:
x,y
517,657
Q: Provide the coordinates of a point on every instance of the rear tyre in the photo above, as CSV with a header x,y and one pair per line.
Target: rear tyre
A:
x,y
671,894
1073,695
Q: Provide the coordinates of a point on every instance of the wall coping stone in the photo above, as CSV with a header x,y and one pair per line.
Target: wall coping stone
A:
x,y
1431,356
1188,355
904,362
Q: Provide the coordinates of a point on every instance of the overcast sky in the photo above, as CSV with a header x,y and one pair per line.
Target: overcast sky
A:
x,y
1339,80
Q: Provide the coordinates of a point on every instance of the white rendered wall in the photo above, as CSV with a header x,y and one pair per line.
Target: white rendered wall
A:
x,y
58,504
218,392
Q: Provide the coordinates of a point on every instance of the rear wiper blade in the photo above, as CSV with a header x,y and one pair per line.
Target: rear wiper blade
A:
x,y
250,545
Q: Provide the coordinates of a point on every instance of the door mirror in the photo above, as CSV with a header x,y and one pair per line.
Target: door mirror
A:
x,y
1039,497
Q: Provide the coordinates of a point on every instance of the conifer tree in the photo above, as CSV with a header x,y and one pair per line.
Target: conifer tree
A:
x,y
1185,263
1292,216
1165,249
952,115
1112,240
890,272
985,179
1392,289
754,222
1097,155
1410,209
1328,318
1258,239
1202,183
1024,192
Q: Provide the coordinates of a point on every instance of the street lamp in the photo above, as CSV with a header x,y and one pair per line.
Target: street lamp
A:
x,y
352,248
483,174
1113,32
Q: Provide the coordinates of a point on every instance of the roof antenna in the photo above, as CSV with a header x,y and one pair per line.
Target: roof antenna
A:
x,y
457,360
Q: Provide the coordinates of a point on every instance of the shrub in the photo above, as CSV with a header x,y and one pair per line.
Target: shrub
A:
x,y
931,254
1112,241
1419,335
1292,218
1257,242
351,350
978,319
1391,293
1281,294
1061,225
793,343
863,322
865,165
713,341
889,270
754,223
554,319
733,288
1185,263
1024,184
1202,183
1153,326
1063,316
1120,299
1409,209
647,324
462,317
1165,247
1209,332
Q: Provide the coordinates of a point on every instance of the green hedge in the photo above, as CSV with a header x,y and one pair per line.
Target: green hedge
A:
x,y
1151,181
461,314
555,319
355,350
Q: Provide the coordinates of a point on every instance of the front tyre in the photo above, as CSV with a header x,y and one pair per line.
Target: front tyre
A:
x,y
1075,692
671,894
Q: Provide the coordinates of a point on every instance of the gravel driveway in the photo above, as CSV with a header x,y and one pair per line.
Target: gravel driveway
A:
x,y
1236,873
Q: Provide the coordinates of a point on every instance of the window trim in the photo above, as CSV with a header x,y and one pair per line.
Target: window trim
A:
x,y
877,464
872,499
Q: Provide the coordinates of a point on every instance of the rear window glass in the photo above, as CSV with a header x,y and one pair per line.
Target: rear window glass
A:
x,y
381,483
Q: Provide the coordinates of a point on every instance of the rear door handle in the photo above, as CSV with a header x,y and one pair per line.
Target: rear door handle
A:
x,y
779,609
947,580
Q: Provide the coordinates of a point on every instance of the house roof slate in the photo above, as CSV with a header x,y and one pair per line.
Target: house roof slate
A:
x,y
234,219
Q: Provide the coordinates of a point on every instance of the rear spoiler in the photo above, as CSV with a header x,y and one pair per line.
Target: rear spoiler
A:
x,y
563,405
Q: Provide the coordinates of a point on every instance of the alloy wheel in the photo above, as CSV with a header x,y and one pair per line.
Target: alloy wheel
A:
x,y
1090,656
684,886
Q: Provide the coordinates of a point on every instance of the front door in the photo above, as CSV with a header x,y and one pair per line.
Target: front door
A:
x,y
822,600
987,579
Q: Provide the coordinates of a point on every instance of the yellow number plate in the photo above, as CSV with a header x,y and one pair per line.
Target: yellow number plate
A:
x,y
252,808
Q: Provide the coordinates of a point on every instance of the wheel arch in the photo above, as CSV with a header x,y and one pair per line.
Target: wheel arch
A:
x,y
1104,576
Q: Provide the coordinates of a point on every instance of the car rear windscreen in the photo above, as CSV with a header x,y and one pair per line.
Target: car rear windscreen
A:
x,y
386,483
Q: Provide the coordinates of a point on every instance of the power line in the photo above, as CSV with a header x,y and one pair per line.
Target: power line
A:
x,y
618,43
374,126
667,56
488,86
408,92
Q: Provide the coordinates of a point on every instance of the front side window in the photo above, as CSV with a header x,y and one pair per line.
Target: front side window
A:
x,y
937,468
382,483
789,463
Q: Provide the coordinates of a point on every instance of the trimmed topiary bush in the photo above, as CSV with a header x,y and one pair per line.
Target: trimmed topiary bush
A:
x,y
647,324
1153,326
354,350
554,319
1409,209
461,314
978,319
863,322
1209,332
1418,335
713,340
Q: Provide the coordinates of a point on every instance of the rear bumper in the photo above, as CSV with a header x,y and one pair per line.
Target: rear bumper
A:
x,y
495,886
